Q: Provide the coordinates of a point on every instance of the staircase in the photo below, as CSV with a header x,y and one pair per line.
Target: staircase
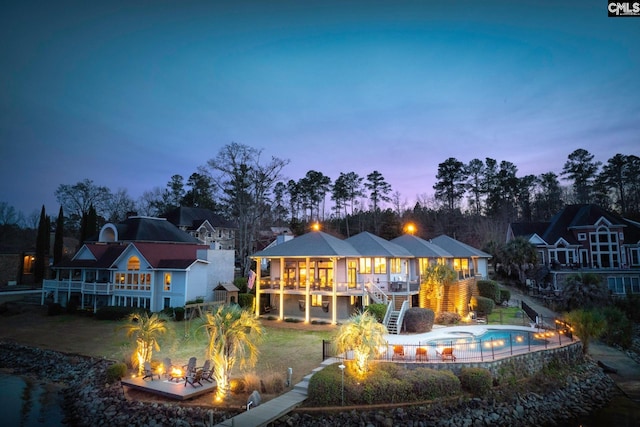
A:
x,y
393,321
377,294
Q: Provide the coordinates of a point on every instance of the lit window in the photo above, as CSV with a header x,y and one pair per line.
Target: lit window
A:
x,y
380,265
167,281
365,265
133,263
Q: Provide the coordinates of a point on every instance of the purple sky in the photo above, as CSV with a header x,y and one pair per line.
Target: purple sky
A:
x,y
129,93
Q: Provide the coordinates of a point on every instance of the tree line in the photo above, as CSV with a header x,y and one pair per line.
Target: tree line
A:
x,y
472,201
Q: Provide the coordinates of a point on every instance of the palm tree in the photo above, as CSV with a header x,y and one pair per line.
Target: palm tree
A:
x,y
588,325
234,335
146,330
432,284
362,334
584,290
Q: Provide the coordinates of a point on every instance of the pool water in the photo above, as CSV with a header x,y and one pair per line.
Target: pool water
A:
x,y
28,403
505,336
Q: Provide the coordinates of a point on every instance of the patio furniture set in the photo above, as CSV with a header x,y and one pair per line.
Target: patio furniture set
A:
x,y
189,373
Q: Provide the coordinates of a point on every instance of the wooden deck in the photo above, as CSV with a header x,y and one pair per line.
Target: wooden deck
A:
x,y
170,389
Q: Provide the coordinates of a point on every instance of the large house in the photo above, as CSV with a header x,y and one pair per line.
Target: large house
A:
x,y
208,227
320,277
586,237
142,262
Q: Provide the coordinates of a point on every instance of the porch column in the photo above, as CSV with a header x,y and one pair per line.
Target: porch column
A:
x,y
334,295
281,287
307,299
257,284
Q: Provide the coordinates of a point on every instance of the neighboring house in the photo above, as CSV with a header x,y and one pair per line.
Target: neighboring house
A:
x,y
142,262
587,237
321,277
209,228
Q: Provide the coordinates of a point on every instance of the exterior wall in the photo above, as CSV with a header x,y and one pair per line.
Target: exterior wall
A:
x,y
529,363
457,296
219,270
10,265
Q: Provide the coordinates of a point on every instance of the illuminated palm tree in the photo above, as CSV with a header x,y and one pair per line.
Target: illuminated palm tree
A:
x,y
146,330
364,335
432,284
234,335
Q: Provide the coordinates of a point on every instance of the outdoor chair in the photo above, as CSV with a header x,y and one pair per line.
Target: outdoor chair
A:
x,y
446,354
148,371
194,378
190,367
398,352
421,354
207,372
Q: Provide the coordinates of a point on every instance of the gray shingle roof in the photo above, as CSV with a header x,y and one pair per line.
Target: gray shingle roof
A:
x,y
457,248
147,229
315,243
420,248
368,244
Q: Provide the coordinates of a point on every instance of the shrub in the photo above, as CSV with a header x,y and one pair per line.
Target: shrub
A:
x,y
483,305
448,318
387,383
619,328
325,387
179,313
241,283
489,289
378,310
477,381
114,313
116,372
168,311
251,381
237,386
418,320
428,384
246,301
273,382
505,295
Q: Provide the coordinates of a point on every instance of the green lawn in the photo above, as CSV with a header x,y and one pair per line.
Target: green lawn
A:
x,y
508,316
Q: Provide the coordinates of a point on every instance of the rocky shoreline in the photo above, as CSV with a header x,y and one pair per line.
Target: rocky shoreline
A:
x,y
90,401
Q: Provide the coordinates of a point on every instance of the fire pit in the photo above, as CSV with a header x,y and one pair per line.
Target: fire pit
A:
x,y
175,374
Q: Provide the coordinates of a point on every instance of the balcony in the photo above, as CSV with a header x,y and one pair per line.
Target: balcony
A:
x,y
269,285
88,288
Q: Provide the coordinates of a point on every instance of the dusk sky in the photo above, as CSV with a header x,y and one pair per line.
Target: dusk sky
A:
x,y
129,93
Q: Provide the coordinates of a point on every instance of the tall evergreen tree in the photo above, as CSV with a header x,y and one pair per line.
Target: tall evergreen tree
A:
x,y
42,248
58,241
378,192
450,187
581,169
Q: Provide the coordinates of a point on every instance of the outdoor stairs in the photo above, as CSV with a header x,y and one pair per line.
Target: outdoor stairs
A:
x,y
392,324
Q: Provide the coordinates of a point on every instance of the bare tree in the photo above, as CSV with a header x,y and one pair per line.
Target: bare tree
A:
x,y
246,182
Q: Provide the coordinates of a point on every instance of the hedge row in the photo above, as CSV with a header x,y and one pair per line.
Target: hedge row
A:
x,y
386,383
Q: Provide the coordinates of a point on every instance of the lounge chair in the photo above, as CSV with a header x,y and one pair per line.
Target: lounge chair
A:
x,y
421,354
148,371
194,378
207,372
446,354
398,352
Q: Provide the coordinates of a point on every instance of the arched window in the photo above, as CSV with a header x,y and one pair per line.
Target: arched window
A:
x,y
133,263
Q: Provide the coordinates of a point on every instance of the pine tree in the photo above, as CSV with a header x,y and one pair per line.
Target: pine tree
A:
x,y
42,247
58,241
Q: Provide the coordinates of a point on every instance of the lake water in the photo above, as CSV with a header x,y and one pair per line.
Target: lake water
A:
x,y
28,403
